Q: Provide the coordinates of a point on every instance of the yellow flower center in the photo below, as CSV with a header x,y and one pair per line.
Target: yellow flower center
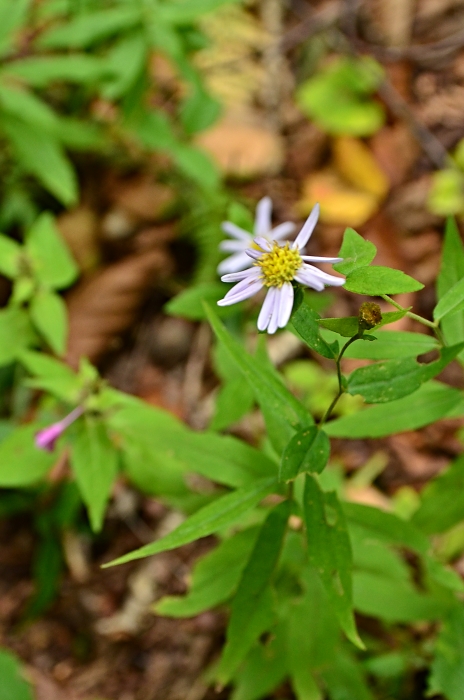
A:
x,y
279,265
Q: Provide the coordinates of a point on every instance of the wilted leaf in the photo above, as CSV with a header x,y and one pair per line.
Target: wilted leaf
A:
x,y
354,160
340,204
103,306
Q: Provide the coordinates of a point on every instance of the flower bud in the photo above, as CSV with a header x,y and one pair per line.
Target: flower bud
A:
x,y
369,315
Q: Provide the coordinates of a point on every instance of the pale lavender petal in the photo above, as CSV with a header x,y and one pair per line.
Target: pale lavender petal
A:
x,y
234,263
308,227
274,320
309,280
313,273
315,258
263,217
263,243
255,254
267,309
238,276
235,231
242,290
45,439
234,246
286,304
282,231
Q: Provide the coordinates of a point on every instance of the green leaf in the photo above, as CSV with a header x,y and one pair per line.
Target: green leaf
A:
x,y
215,577
54,265
41,155
451,271
393,379
348,326
391,345
336,98
393,600
442,501
40,71
428,404
305,322
21,104
217,515
14,686
307,451
282,412
21,462
223,459
247,620
12,18
345,680
16,333
90,28
312,636
234,400
196,165
183,12
451,303
126,62
355,251
199,110
10,253
377,280
386,527
51,375
189,303
448,665
49,315
329,551
94,460
264,668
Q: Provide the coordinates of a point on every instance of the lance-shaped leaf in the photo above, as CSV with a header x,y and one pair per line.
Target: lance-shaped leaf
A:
x,y
49,315
54,265
386,527
428,404
390,345
451,302
329,552
10,253
349,326
448,664
51,375
249,616
451,271
377,280
442,501
21,462
223,512
355,251
305,322
307,451
94,460
393,379
282,412
215,577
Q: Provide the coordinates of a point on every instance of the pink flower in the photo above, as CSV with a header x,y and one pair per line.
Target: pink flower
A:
x,y
276,265
45,439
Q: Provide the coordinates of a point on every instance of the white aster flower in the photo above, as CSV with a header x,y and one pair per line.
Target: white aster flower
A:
x,y
276,265
242,239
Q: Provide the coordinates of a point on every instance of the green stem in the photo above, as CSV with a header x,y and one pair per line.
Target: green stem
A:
x,y
425,322
341,390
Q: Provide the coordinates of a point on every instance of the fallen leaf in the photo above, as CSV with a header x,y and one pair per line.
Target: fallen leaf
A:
x,y
243,147
340,204
355,162
102,307
143,198
79,228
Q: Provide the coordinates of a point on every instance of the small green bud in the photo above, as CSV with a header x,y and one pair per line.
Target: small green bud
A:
x,y
369,315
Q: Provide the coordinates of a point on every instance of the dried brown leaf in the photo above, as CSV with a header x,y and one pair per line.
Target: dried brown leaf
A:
x,y
104,306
